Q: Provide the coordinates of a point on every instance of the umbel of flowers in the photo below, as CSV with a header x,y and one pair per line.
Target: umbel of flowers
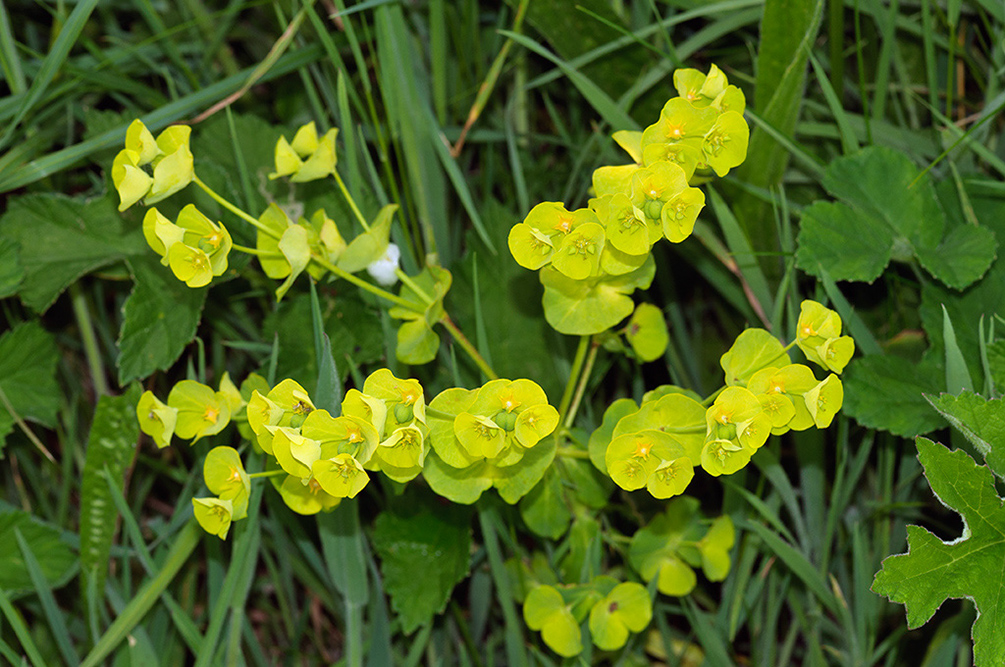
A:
x,y
316,458
591,259
657,445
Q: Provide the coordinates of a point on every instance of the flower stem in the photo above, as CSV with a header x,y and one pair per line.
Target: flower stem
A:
x,y
267,473
407,280
362,284
573,453
708,401
466,345
570,385
256,251
352,202
583,379
233,209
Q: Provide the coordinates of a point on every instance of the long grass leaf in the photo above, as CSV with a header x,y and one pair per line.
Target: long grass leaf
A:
x,y
51,65
24,174
182,546
53,615
614,115
796,562
743,253
21,631
10,61
849,143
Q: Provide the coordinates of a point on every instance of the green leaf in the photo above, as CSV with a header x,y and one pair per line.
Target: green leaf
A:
x,y
981,421
932,570
424,549
111,446
546,610
846,245
515,481
11,271
887,393
585,307
159,319
53,553
28,358
544,509
647,332
963,256
62,239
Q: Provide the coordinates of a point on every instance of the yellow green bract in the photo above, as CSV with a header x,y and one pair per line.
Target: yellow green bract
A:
x,y
168,156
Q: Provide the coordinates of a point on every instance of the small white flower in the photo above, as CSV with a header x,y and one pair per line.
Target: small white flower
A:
x,y
383,269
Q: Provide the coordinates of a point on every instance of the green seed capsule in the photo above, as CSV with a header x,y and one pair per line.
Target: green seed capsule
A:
x,y
403,413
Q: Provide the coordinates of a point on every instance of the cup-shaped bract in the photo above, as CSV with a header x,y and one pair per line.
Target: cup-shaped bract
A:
x,y
647,333
201,411
578,254
627,231
296,248
225,476
161,233
715,546
306,158
632,460
130,181
273,223
789,382
295,453
210,237
835,353
326,241
678,216
156,419
306,499
817,325
824,401
627,608
341,476
214,515
545,610
479,436
190,265
173,167
344,434
365,407
141,142
725,144
653,188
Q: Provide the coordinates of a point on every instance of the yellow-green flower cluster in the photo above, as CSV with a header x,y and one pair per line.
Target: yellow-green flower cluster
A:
x,y
195,247
657,445
607,244
325,458
168,156
306,158
497,422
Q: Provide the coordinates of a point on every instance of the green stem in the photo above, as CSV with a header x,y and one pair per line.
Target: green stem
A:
x,y
256,251
708,401
573,453
570,385
407,280
362,284
91,351
581,387
466,345
267,473
352,202
233,209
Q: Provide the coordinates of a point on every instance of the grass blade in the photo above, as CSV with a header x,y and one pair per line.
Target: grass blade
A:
x,y
49,607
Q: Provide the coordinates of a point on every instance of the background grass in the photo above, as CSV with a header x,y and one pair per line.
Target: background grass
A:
x,y
467,114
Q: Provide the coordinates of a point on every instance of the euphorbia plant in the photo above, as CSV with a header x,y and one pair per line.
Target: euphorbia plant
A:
x,y
505,434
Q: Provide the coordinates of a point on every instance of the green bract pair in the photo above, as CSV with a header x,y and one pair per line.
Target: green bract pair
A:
x,y
193,410
489,437
169,157
306,158
195,247
614,610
